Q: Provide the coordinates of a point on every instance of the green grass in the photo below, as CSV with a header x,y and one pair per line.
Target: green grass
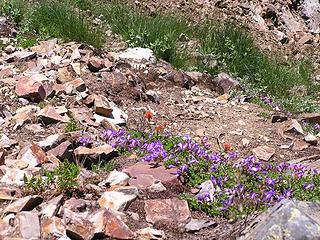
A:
x,y
71,126
51,18
160,32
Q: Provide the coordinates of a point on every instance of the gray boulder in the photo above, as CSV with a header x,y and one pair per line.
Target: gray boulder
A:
x,y
287,220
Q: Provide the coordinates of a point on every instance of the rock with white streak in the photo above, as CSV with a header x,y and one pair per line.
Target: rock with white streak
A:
x,y
118,198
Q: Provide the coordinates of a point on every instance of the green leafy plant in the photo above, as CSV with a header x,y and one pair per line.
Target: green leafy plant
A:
x,y
103,166
63,178
71,126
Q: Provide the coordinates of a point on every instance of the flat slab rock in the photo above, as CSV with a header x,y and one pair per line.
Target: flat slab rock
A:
x,y
143,175
286,220
171,211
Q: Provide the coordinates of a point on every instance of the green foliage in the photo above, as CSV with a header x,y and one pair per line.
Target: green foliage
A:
x,y
13,9
71,126
59,19
103,166
63,178
160,32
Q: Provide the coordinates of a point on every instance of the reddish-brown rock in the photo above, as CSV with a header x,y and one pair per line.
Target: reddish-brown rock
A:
x,y
171,211
49,115
34,91
95,64
107,223
32,154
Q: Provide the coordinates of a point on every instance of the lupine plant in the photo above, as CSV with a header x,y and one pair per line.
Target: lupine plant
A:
x,y
237,187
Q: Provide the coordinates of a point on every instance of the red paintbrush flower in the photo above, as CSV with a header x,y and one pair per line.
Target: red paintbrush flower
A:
x,y
227,147
160,128
148,115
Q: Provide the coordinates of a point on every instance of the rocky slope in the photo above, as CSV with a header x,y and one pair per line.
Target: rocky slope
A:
x,y
56,100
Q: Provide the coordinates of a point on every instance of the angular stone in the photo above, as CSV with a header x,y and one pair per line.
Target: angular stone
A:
x,y
159,173
10,193
64,75
225,83
21,56
116,178
150,234
299,145
296,126
51,208
29,89
13,176
143,181
102,106
61,151
118,198
52,228
77,226
110,225
51,141
32,154
104,149
76,205
288,219
157,187
311,139
95,64
23,204
29,225
196,225
49,115
76,85
263,152
171,211
45,47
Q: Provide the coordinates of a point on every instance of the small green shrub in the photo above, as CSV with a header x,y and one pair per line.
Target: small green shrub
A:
x,y
71,126
63,178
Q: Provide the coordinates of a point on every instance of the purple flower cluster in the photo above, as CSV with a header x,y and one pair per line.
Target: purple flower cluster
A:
x,y
85,141
268,101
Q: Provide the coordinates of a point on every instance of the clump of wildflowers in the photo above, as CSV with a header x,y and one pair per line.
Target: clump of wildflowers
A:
x,y
240,187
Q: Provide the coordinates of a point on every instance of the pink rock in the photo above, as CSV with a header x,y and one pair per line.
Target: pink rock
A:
x,y
34,91
159,173
225,83
263,152
50,115
142,181
23,204
102,107
172,211
60,151
29,225
75,85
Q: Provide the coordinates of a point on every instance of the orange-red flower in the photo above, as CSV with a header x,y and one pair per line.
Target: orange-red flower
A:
x,y
148,115
160,127
227,147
